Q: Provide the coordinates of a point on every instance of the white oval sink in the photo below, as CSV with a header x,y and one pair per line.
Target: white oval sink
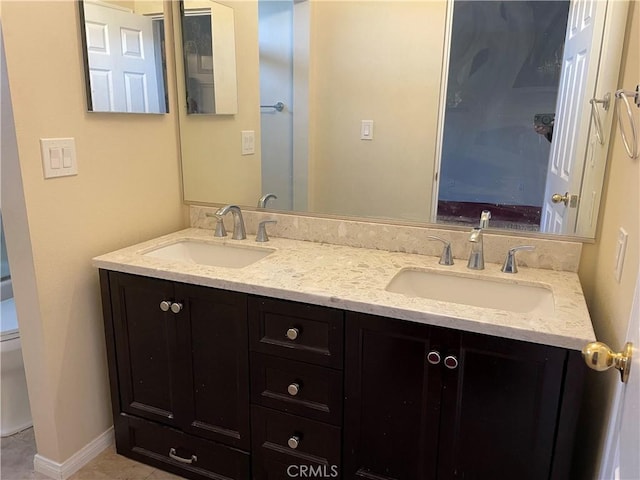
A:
x,y
474,291
212,254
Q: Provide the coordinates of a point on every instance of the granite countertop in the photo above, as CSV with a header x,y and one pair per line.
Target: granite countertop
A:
x,y
355,279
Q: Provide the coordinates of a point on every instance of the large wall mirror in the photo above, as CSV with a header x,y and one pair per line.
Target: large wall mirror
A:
x,y
417,111
124,55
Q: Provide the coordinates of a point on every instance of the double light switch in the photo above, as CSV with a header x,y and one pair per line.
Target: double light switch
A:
x,y
58,157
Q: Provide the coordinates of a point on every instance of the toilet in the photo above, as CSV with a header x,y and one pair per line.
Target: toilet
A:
x,y
15,414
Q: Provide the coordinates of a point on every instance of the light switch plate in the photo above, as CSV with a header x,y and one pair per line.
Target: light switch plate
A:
x,y
366,130
58,157
248,142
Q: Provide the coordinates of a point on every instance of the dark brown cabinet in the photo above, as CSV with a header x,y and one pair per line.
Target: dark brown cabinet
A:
x,y
181,360
430,403
213,384
296,389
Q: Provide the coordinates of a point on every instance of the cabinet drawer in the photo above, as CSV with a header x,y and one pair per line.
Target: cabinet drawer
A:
x,y
295,387
170,450
318,444
307,333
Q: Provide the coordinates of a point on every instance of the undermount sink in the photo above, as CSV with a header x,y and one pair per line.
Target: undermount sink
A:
x,y
211,254
474,291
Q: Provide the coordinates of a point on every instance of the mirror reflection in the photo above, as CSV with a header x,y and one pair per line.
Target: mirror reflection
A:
x,y
208,44
411,111
125,63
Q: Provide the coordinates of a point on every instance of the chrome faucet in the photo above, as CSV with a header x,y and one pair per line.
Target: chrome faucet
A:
x,y
239,232
485,216
262,203
476,257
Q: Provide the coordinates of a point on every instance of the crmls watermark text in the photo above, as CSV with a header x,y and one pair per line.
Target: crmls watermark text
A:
x,y
312,471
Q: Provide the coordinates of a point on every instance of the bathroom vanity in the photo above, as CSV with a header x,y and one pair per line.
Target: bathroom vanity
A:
x,y
303,364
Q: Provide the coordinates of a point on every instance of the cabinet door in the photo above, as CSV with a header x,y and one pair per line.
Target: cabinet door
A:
x,y
213,364
392,400
499,409
145,341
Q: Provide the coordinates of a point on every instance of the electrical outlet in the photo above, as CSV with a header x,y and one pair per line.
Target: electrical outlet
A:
x,y
621,248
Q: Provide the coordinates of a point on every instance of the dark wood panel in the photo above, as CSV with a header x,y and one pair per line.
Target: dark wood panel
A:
x,y
320,337
572,391
319,392
152,443
214,364
392,400
145,339
499,409
319,443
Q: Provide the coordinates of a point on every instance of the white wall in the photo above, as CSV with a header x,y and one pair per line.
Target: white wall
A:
x,y
365,69
127,190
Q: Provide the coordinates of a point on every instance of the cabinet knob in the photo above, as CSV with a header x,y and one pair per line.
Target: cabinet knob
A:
x,y
433,357
165,306
293,442
293,389
451,362
293,333
176,307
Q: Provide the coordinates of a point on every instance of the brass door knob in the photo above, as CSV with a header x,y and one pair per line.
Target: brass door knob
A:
x,y
292,333
557,198
600,357
165,306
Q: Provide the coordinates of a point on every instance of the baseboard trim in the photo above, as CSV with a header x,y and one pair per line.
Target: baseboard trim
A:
x,y
62,471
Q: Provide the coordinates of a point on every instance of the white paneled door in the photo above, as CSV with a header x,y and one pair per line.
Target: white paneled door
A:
x,y
622,452
571,129
122,60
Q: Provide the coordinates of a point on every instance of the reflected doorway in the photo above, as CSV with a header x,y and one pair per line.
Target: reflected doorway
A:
x,y
502,87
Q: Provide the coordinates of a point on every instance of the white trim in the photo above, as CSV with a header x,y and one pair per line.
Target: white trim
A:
x,y
62,471
442,108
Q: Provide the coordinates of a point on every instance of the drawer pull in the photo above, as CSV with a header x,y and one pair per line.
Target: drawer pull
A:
x,y
172,454
165,306
293,442
176,307
293,333
293,389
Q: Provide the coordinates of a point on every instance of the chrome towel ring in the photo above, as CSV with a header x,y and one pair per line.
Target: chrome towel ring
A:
x,y
631,147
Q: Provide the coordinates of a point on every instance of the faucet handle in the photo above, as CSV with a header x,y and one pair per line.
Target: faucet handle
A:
x,y
220,230
262,236
446,258
510,265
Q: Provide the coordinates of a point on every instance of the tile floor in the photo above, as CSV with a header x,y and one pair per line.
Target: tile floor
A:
x,y
17,463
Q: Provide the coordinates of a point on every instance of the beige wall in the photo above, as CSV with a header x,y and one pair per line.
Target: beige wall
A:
x,y
127,190
365,68
610,302
211,144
